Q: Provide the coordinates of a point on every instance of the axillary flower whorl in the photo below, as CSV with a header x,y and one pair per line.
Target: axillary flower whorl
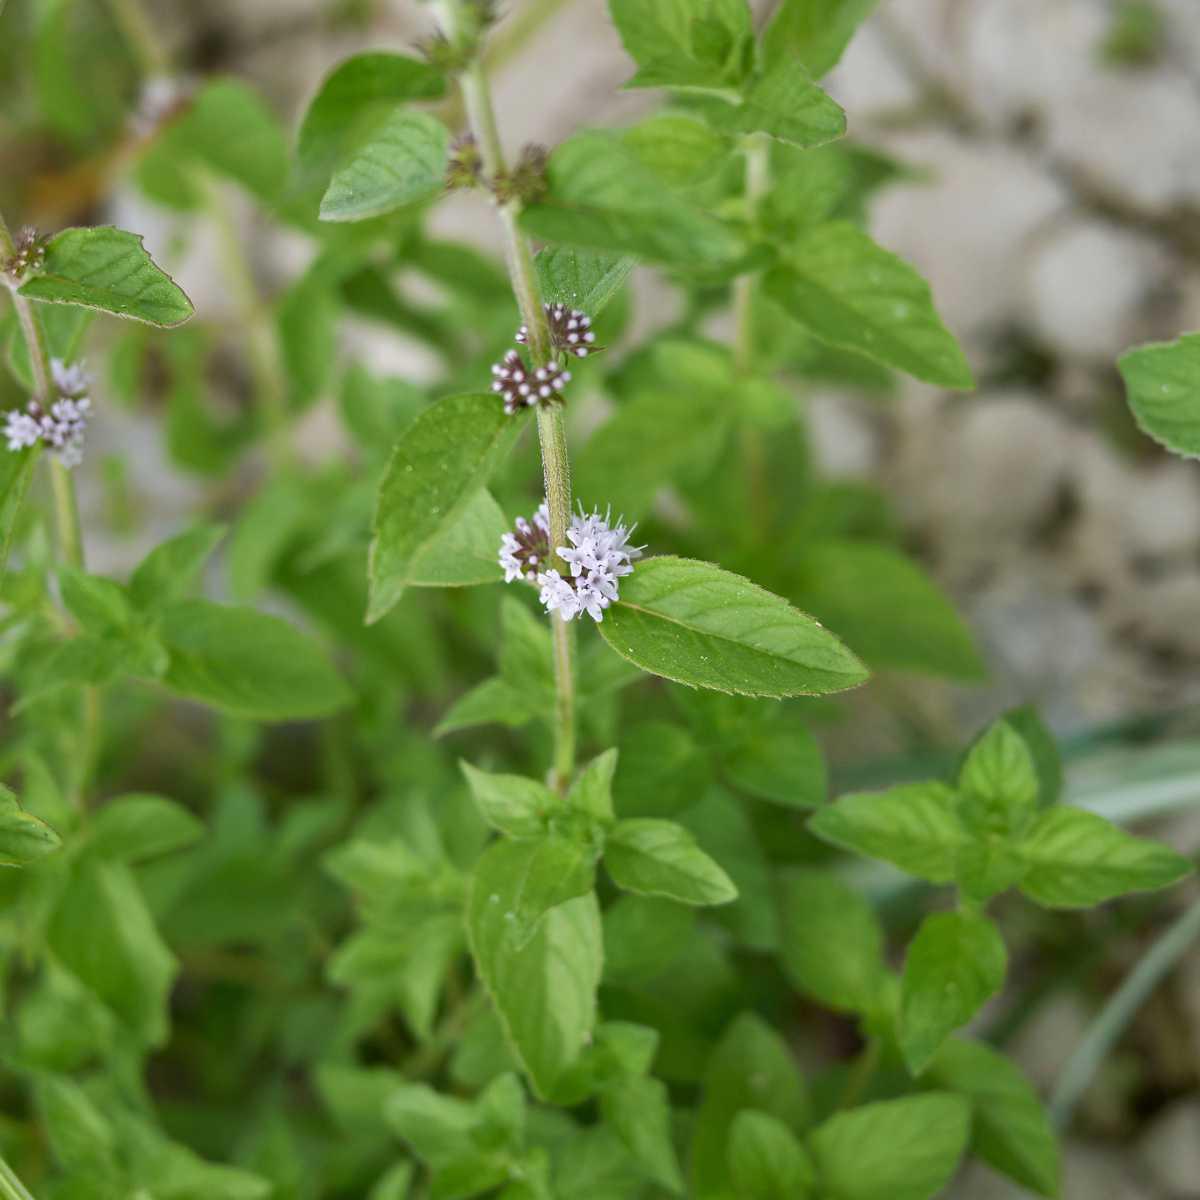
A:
x,y
62,426
570,331
598,557
521,385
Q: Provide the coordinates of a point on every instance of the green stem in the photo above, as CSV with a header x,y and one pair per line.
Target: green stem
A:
x,y
1121,1008
266,370
556,468
139,33
756,148
11,1188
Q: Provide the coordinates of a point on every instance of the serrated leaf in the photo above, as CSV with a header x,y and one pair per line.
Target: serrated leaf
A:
x,y
954,964
583,279
660,858
591,793
998,782
402,161
904,1149
108,269
23,837
1162,381
1075,859
817,911
602,197
1010,1129
752,1067
465,553
852,293
786,104
248,663
435,472
511,804
353,97
492,701
697,624
914,826
678,148
229,129
136,827
545,991
639,1110
814,31
767,1161
170,570
886,607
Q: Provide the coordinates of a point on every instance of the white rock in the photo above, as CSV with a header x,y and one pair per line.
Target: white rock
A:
x,y
1170,1149
1085,284
965,228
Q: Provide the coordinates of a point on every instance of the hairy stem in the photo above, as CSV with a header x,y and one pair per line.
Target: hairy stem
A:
x,y
556,468
756,148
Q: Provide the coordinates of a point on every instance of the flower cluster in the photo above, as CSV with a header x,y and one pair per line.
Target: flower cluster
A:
x,y
522,385
526,180
464,168
29,253
599,555
62,426
570,331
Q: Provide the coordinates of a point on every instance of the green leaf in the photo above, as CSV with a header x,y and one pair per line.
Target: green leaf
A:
x,y
1162,381
660,771
851,293
434,474
660,858
23,837
464,553
642,935
766,1161
355,96
108,269
545,991
493,701
16,471
814,31
694,623
136,827
170,570
678,148
63,328
915,827
248,663
816,912
512,804
230,130
98,604
104,934
638,1109
752,1067
998,782
83,1140
886,607
603,197
402,162
591,793
780,762
954,964
903,1149
545,873
439,1128
1010,1129
688,44
584,279
1076,859
786,104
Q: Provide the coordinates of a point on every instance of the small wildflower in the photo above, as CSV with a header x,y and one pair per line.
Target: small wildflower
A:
x,y
526,181
597,558
570,331
522,385
465,166
29,253
63,426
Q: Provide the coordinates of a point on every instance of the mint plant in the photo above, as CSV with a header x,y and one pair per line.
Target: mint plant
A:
x,y
503,861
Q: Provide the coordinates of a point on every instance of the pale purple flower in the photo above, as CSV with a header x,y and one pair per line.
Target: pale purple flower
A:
x,y
62,428
570,330
598,557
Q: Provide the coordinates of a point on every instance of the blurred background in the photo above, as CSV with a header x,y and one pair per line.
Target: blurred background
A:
x,y
1050,194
